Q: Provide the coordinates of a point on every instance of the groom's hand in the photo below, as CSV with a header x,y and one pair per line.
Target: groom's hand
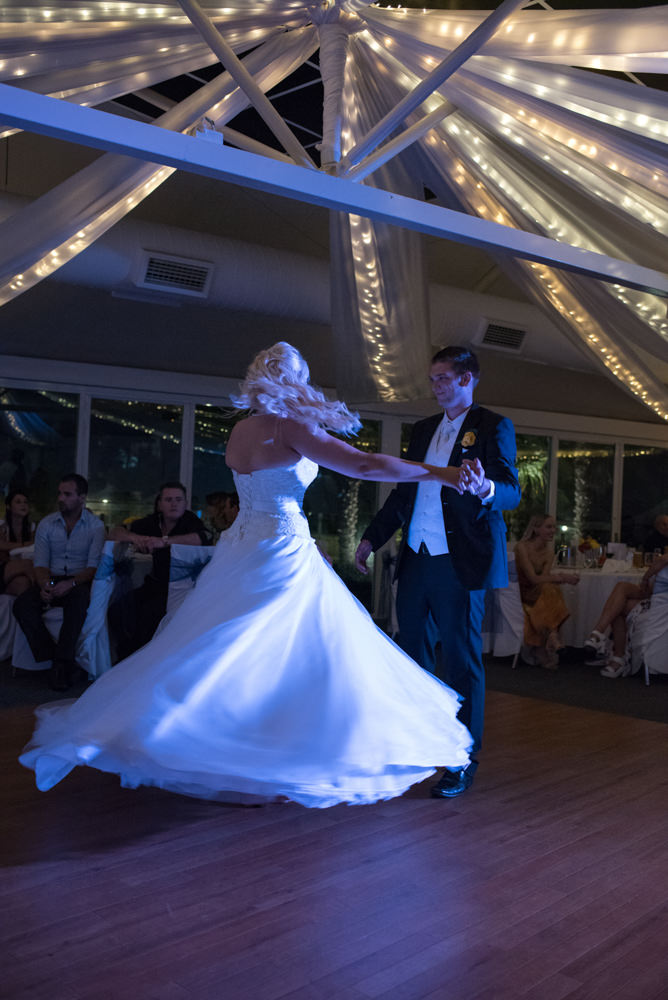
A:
x,y
364,550
475,480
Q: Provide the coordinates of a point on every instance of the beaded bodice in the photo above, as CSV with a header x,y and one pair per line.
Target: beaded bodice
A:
x,y
270,500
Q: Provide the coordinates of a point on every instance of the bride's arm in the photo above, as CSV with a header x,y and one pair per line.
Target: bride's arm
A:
x,y
341,457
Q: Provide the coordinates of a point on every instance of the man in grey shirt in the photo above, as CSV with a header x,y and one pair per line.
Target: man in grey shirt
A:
x,y
68,545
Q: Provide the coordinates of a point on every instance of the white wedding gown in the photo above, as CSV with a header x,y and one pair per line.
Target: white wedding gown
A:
x,y
270,681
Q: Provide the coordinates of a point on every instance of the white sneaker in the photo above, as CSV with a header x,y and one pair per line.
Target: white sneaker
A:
x,y
616,667
596,645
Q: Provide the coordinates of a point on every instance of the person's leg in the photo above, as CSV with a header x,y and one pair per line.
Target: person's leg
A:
x,y
75,606
619,628
28,610
614,606
538,629
458,614
18,576
413,609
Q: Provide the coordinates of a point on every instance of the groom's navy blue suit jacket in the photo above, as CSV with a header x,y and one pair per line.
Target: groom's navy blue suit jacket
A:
x,y
475,531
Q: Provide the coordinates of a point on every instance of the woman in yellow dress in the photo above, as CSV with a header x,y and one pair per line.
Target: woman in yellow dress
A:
x,y
544,606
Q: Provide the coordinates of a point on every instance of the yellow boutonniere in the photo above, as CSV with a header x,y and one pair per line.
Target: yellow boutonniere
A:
x,y
469,439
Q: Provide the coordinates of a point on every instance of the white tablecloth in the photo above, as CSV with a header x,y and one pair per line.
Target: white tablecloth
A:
x,y
585,601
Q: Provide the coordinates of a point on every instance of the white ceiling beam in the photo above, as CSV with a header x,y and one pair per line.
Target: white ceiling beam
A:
x,y
243,78
251,145
86,126
399,143
408,104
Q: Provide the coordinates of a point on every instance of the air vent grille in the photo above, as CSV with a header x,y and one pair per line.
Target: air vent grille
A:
x,y
177,274
507,338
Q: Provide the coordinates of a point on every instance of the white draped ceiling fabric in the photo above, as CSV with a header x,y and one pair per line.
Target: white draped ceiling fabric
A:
x,y
516,129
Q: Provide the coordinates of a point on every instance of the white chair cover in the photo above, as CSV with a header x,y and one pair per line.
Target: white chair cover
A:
x,y
93,652
648,639
185,565
503,626
655,644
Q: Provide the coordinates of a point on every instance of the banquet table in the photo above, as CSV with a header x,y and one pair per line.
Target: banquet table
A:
x,y
585,600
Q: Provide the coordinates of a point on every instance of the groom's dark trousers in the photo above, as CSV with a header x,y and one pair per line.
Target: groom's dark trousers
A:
x,y
429,586
446,593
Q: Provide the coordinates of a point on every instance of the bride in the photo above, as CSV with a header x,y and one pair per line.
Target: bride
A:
x,y
270,681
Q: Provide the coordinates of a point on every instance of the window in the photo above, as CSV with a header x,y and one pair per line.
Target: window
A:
x,y
134,448
644,491
213,425
533,464
339,509
137,445
584,491
37,444
406,431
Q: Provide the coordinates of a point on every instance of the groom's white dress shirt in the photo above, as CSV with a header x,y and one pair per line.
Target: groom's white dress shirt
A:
x,y
427,524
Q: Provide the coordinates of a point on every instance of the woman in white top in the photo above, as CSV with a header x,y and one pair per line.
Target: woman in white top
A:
x,y
17,531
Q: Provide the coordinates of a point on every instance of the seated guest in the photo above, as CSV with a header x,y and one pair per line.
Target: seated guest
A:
x,y
658,536
221,510
544,606
623,598
68,545
134,618
16,532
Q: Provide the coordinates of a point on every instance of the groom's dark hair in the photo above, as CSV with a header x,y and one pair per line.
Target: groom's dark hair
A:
x,y
461,359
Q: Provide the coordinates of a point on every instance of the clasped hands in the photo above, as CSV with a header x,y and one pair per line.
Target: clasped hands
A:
x,y
145,543
469,477
48,591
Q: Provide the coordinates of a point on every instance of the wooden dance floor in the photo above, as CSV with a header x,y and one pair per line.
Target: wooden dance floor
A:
x,y
548,880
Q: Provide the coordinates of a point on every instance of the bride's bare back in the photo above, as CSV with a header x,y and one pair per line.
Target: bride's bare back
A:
x,y
256,443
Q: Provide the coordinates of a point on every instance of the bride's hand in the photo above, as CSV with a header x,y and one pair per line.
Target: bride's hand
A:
x,y
453,476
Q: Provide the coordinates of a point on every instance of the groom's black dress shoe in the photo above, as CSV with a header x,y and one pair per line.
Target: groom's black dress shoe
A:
x,y
453,783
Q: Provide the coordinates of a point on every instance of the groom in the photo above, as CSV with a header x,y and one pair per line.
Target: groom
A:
x,y
453,545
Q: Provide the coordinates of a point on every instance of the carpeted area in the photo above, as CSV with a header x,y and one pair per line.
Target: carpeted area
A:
x,y
575,683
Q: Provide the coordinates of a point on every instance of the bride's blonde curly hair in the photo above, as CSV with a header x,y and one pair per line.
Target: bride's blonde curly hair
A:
x,y
277,381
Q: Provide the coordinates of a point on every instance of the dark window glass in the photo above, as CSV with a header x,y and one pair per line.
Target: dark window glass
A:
x,y
644,491
339,509
37,444
584,491
213,425
406,431
134,448
533,465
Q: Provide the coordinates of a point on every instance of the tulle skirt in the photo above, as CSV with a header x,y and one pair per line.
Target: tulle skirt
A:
x,y
271,681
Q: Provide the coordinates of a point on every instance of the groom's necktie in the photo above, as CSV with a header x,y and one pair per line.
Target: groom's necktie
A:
x,y
426,531
445,438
